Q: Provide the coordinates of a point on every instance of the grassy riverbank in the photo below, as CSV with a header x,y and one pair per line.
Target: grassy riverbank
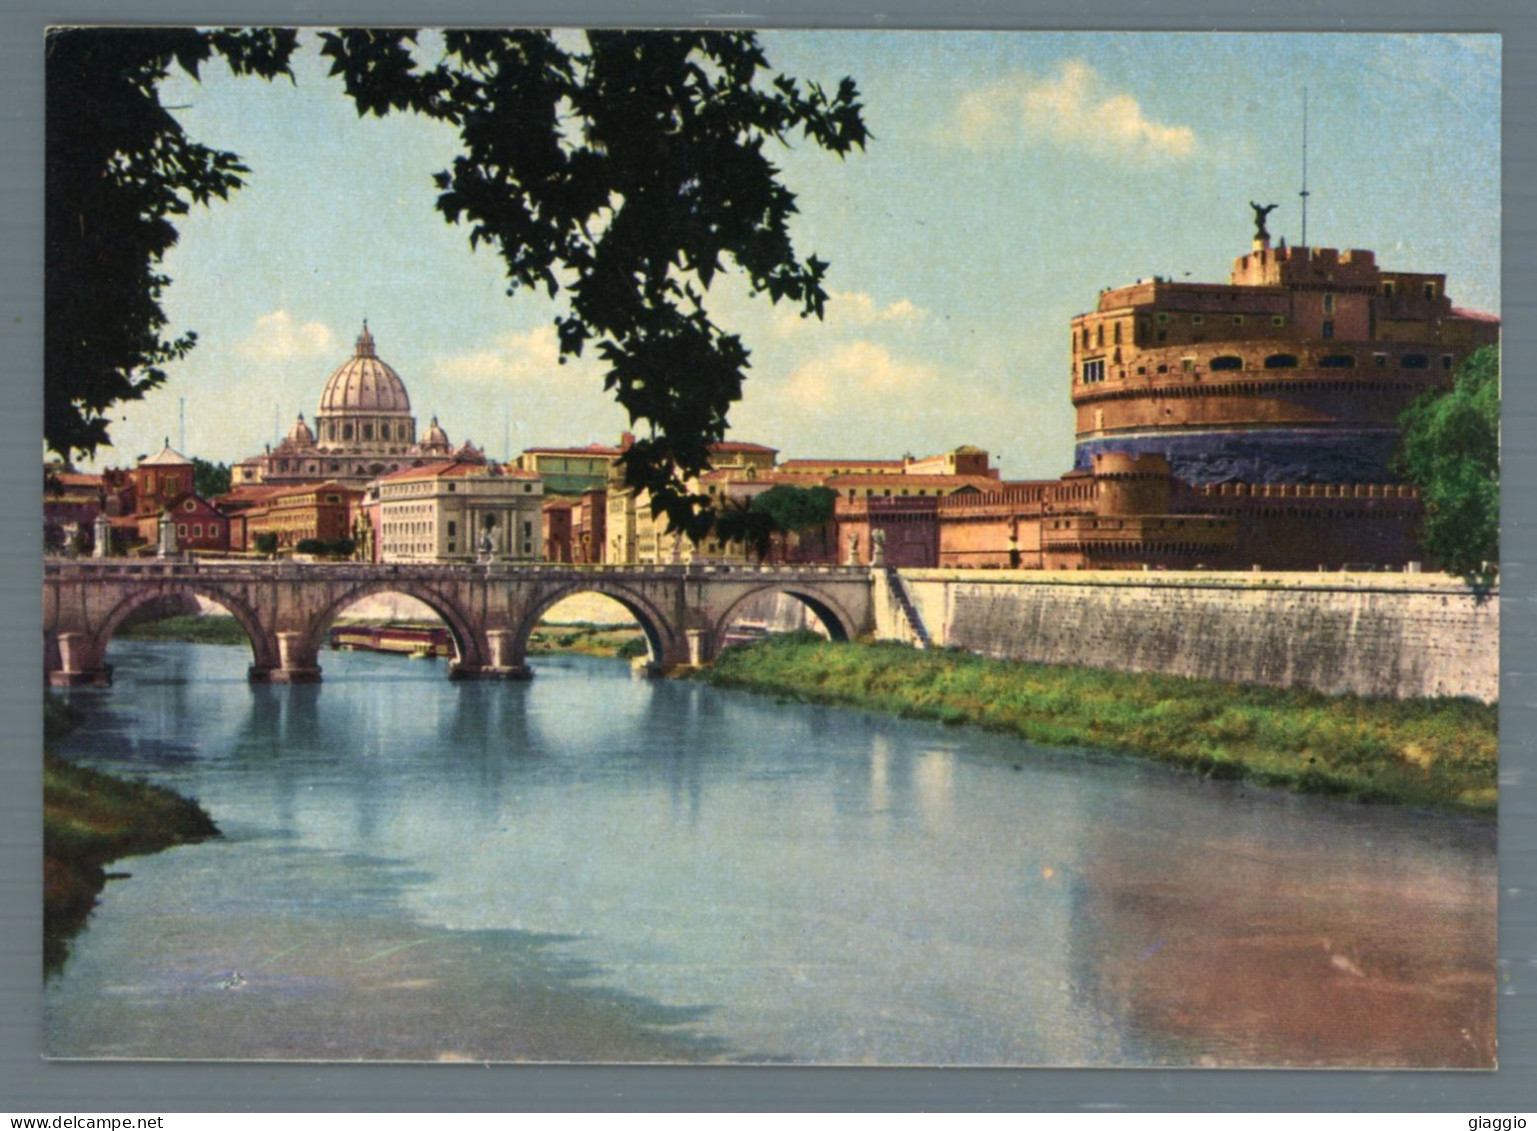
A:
x,y
1441,752
89,819
588,640
187,629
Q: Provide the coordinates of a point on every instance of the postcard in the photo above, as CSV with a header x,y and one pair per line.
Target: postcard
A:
x,y
782,547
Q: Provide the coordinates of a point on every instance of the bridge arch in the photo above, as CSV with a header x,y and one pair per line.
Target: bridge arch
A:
x,y
663,639
263,648
832,615
467,643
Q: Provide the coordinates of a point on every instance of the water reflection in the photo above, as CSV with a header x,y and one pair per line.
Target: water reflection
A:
x,y
413,864
1276,934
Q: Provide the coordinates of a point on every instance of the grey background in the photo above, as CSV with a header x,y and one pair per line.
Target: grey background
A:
x,y
28,1084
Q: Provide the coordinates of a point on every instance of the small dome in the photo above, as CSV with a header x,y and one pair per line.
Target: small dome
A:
x,y
300,433
435,437
364,384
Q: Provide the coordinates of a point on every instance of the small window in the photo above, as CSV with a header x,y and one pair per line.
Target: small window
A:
x,y
1337,361
181,529
1278,319
1328,304
1281,361
1414,361
1238,320
528,488
189,506
197,530
1328,328
1380,360
1117,333
453,528
1446,361
1387,289
1187,364
1163,317
1430,290
1197,319
346,431
333,498
1163,369
453,487
1094,371
1163,335
1227,361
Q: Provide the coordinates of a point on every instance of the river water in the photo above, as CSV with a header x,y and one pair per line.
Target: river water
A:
x,y
593,867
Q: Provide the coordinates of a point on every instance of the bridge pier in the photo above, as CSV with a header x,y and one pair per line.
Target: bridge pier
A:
x,y
296,662
503,664
79,663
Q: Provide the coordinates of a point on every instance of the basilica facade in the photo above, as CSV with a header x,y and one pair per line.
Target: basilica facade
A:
x,y
364,429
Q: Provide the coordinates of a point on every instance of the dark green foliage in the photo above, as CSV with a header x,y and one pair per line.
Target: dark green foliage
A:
x,y
747,525
780,510
326,547
210,480
119,168
1451,452
625,177
633,648
265,543
795,509
1441,752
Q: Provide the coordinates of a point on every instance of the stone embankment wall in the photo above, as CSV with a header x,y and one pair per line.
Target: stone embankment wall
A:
x,y
1388,635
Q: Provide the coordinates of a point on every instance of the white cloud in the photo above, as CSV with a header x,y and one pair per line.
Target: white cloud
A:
x,y
513,360
1071,108
852,309
852,371
279,337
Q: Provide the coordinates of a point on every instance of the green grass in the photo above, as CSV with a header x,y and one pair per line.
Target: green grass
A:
x,y
191,629
89,819
1435,752
587,639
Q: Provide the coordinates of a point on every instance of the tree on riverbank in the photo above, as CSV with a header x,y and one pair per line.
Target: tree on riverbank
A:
x,y
1451,452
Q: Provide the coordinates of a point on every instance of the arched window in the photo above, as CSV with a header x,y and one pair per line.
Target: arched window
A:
x,y
1281,361
1337,361
1227,361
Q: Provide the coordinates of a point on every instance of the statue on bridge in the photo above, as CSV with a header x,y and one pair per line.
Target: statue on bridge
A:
x,y
853,555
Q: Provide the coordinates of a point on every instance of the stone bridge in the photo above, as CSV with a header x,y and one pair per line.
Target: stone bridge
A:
x,y
287,608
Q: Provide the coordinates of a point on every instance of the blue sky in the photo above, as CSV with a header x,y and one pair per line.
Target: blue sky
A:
x,y
1011,177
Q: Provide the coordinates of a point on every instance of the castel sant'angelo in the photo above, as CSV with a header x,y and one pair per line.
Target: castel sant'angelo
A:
x,y
1238,424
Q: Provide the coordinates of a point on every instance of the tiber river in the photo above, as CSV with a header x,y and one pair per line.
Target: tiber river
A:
x,y
597,868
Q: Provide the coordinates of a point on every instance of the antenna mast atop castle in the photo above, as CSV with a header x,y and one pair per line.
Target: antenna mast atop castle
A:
x,y
1304,192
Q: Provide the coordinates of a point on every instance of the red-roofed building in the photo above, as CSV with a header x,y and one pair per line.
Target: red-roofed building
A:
x,y
460,512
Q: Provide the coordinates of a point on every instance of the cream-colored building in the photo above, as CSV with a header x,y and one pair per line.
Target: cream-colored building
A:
x,y
460,512
638,537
